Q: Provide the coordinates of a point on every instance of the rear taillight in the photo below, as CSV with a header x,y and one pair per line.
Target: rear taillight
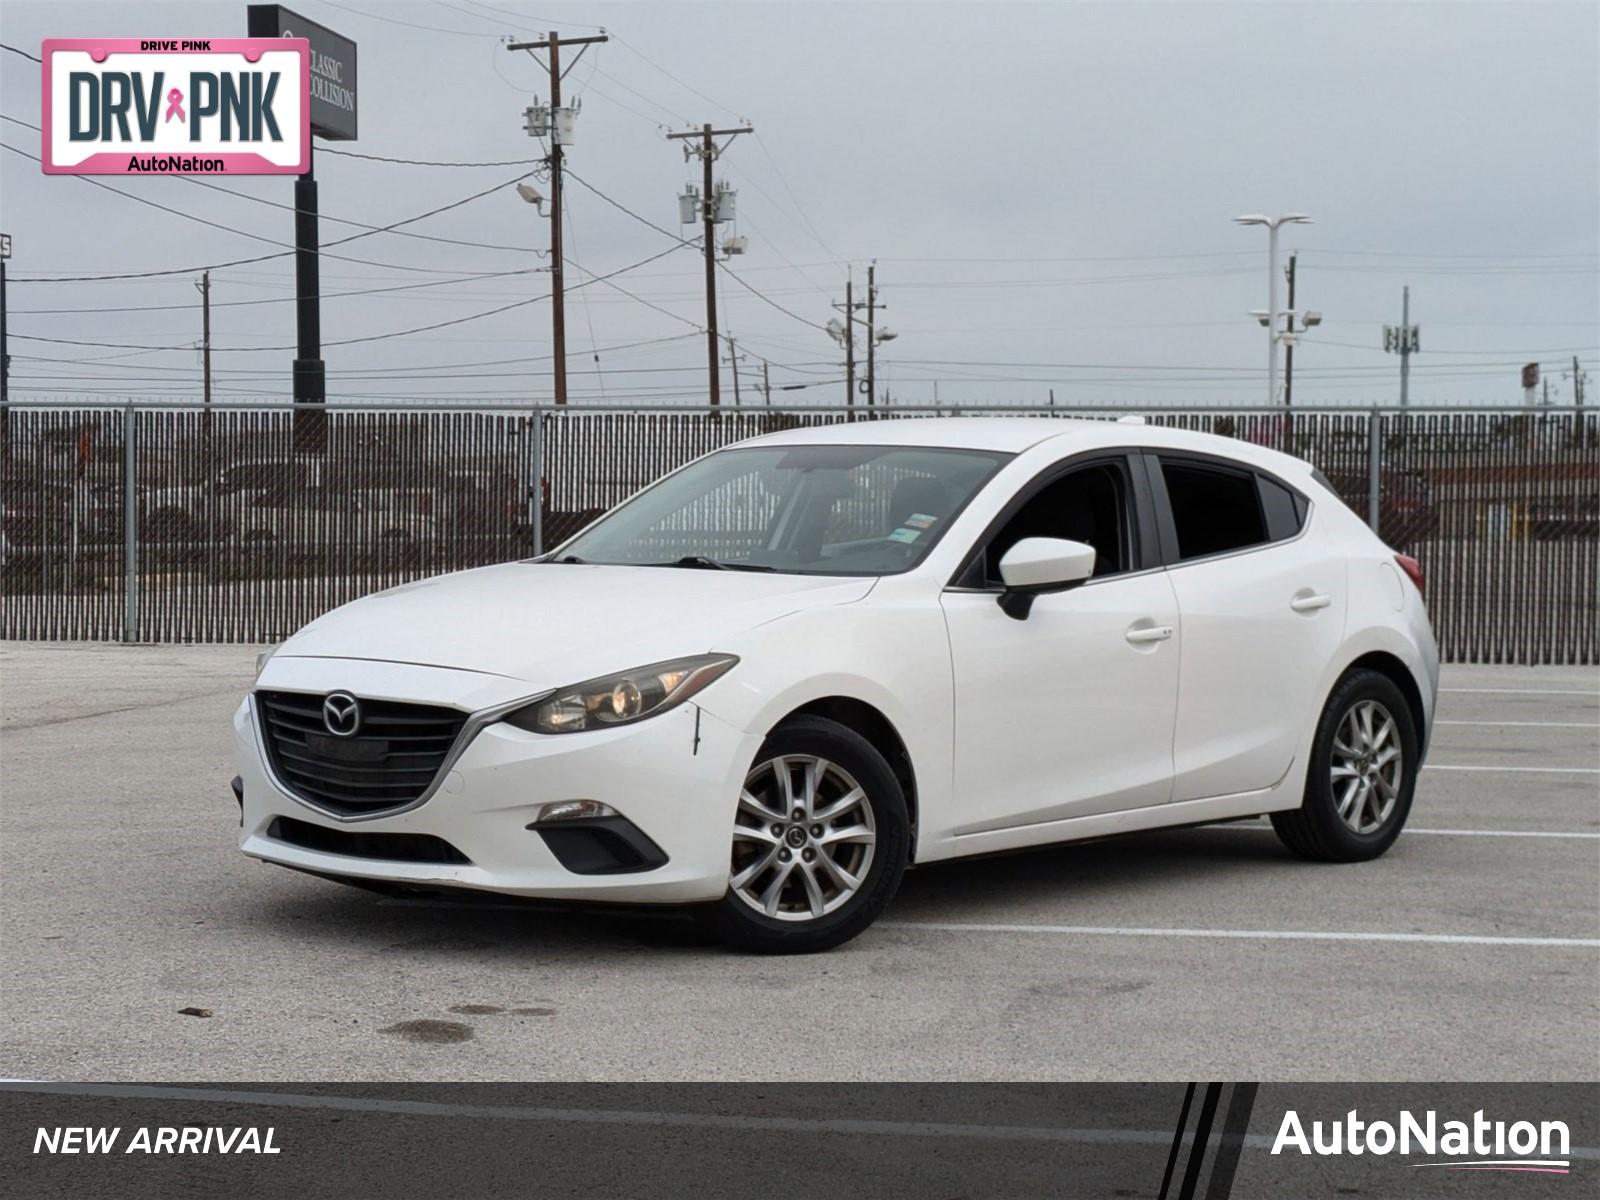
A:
x,y
1412,568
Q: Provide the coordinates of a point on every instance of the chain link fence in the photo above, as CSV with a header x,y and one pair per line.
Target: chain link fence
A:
x,y
172,524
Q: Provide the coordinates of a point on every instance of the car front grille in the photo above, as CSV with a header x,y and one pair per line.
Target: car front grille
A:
x,y
388,763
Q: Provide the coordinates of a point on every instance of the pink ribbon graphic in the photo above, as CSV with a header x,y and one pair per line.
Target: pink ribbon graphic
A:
x,y
175,106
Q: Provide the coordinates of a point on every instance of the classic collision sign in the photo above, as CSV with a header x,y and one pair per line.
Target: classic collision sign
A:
x,y
333,67
131,106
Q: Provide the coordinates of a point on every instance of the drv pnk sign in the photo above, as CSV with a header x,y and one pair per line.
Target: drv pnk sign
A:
x,y
206,106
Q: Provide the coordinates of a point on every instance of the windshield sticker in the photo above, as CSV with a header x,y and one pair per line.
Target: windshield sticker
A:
x,y
905,535
920,520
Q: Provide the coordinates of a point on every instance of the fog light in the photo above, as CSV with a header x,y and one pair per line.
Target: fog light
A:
x,y
574,810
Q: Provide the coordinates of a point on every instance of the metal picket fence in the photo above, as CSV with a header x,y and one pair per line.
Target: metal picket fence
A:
x,y
166,523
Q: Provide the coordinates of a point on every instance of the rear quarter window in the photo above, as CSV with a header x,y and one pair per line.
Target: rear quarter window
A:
x,y
1284,509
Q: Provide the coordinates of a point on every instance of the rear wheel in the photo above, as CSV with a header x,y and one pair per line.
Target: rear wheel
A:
x,y
820,842
1361,777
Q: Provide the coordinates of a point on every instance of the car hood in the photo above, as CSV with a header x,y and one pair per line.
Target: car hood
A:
x,y
555,624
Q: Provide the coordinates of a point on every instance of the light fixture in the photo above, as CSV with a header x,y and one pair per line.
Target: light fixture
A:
x,y
532,195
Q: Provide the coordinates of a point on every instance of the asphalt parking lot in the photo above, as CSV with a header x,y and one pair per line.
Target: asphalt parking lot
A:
x,y
1471,951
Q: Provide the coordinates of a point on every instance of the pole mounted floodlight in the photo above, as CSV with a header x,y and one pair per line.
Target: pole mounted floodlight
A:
x,y
532,195
1272,224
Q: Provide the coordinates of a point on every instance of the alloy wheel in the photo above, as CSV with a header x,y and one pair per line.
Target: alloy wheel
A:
x,y
803,840
1366,767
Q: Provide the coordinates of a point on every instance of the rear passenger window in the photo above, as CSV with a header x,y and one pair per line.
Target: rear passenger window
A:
x,y
1284,511
1214,510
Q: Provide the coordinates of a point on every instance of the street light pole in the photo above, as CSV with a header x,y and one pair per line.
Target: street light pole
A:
x,y
1272,224
1272,313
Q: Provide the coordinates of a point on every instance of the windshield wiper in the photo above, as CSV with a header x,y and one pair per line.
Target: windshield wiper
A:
x,y
705,563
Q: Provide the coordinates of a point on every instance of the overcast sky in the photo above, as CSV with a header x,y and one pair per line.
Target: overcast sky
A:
x,y
1048,190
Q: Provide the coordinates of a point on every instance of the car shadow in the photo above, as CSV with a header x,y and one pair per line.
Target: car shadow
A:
x,y
1088,870
466,925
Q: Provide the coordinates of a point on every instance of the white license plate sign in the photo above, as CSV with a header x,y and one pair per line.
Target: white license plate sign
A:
x,y
209,106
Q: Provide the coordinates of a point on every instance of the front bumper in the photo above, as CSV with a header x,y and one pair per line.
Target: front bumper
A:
x,y
676,777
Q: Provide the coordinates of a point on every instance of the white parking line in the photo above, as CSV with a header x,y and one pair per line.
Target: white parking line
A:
x,y
1246,935
1522,691
1511,833
1528,833
1533,770
1595,725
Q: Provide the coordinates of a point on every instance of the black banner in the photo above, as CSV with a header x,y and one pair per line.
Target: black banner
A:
x,y
1163,1141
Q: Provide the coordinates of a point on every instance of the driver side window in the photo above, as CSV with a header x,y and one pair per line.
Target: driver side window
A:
x,y
1089,504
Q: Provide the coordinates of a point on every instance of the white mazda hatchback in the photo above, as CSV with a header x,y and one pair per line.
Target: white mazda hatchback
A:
x,y
773,680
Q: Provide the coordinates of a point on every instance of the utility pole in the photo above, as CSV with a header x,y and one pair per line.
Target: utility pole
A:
x,y
872,305
708,151
5,348
5,354
1577,402
846,334
1405,346
1288,350
849,340
204,287
1403,340
559,122
766,381
733,362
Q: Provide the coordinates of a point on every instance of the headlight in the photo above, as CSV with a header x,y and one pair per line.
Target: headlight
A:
x,y
263,659
623,698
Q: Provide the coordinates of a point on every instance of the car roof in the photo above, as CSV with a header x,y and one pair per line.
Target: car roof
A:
x,y
1016,434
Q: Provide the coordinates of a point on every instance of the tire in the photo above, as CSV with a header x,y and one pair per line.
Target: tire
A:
x,y
1357,796
813,907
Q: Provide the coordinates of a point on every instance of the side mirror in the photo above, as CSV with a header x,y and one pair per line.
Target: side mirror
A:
x,y
1037,565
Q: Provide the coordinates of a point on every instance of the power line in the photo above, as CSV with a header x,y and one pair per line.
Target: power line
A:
x,y
260,257
399,287
407,370
422,162
531,17
24,53
408,24
737,278
632,49
426,237
799,208
372,337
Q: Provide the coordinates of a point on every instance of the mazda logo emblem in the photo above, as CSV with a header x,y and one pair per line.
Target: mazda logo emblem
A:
x,y
341,713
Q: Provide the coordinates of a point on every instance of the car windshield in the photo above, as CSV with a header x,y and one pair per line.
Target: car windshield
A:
x,y
809,510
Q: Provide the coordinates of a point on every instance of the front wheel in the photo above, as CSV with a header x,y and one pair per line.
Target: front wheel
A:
x,y
1363,771
820,842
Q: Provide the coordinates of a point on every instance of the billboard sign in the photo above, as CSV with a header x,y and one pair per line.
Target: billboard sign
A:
x,y
333,68
167,106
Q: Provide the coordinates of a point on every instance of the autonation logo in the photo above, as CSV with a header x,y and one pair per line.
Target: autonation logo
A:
x,y
1476,1145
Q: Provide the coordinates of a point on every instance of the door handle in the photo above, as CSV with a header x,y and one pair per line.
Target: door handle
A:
x,y
1149,633
1311,603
